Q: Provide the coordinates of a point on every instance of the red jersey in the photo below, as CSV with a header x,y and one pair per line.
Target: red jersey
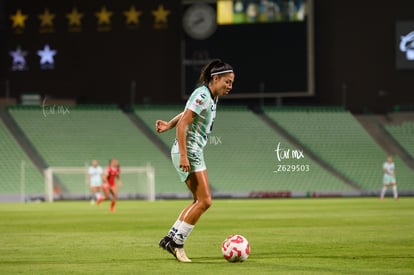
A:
x,y
112,173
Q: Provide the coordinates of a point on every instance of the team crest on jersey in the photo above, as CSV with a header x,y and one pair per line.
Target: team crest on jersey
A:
x,y
199,101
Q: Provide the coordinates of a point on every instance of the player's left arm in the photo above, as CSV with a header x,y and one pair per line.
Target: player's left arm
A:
x,y
181,130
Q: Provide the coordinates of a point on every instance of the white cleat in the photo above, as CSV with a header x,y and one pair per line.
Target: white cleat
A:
x,y
181,256
177,251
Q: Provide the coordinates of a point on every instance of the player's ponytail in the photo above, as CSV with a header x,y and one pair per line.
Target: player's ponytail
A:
x,y
215,67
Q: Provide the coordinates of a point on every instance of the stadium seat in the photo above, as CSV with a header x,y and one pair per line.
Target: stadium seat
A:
x,y
337,138
240,154
12,158
403,134
94,132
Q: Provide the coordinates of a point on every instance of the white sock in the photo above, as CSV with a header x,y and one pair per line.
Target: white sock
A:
x,y
384,189
97,196
174,228
394,191
183,232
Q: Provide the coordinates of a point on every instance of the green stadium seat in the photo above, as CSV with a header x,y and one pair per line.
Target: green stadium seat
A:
x,y
240,154
11,158
94,132
337,138
404,135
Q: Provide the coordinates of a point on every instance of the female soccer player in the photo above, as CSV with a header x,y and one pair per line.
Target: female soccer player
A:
x,y
389,178
193,126
95,180
110,178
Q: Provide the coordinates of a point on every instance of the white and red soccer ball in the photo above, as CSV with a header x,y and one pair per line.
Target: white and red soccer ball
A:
x,y
235,248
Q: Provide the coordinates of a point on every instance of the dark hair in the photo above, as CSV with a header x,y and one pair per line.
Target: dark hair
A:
x,y
215,66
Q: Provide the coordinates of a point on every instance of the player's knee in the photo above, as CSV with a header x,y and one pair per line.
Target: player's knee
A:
x,y
205,203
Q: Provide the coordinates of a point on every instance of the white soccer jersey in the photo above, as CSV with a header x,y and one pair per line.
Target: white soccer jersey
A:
x,y
389,168
202,103
96,174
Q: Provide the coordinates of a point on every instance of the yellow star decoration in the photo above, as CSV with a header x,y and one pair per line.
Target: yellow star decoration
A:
x,y
18,19
46,18
161,14
74,17
104,16
132,15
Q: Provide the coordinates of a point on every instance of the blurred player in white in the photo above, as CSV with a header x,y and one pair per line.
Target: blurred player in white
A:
x,y
95,180
389,178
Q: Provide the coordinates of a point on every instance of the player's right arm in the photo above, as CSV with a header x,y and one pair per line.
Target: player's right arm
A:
x,y
162,126
88,180
386,170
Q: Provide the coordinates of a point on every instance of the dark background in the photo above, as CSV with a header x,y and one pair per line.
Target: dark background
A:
x,y
98,66
355,46
262,61
354,55
403,29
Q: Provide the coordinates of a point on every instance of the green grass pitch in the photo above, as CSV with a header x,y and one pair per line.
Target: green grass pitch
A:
x,y
287,236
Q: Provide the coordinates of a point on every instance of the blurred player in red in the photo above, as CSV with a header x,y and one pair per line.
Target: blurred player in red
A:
x,y
111,177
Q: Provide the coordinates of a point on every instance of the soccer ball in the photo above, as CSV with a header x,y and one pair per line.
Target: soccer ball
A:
x,y
235,248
